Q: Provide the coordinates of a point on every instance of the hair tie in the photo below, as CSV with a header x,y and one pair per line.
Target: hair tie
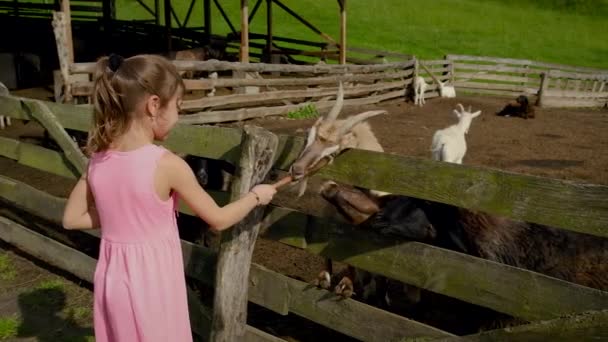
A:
x,y
115,61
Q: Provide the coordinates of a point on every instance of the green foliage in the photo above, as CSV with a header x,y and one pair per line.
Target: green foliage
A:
x,y
8,327
7,270
307,111
558,31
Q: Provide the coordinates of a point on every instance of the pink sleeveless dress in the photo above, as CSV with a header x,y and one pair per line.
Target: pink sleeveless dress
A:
x,y
139,286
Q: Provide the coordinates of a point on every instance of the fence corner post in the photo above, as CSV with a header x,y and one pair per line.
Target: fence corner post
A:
x,y
544,84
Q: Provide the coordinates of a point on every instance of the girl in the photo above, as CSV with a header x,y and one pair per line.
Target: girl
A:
x,y
130,191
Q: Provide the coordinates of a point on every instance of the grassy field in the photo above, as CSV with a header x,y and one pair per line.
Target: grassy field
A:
x,y
561,31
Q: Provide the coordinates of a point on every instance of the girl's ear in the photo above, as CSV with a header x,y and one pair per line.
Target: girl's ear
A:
x,y
153,105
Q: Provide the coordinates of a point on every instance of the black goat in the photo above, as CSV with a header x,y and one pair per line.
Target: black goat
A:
x,y
574,257
520,107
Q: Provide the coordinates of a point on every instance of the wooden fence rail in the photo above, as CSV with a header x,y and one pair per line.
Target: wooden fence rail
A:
x,y
511,77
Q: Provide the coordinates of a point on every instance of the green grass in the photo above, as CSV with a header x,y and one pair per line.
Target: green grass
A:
x,y
55,284
307,111
9,327
558,31
80,313
7,270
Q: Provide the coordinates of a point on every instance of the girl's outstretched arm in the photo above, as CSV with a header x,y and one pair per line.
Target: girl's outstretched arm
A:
x,y
80,212
180,178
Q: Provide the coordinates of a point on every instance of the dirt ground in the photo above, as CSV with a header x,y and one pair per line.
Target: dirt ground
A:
x,y
39,305
568,144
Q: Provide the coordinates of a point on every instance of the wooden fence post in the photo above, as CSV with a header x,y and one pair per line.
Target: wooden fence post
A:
x,y
63,39
544,84
258,148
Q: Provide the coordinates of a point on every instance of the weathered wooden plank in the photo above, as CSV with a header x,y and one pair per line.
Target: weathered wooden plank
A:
x,y
296,81
212,65
243,99
47,249
588,326
494,77
248,113
524,62
203,141
495,86
44,159
42,113
504,288
9,148
256,335
497,68
572,102
505,93
441,62
569,205
579,76
232,273
577,94
542,91
37,157
351,317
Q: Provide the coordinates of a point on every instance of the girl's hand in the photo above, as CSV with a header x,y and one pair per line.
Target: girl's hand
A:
x,y
265,192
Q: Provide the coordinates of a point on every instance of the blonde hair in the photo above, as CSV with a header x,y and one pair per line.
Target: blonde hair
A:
x,y
119,88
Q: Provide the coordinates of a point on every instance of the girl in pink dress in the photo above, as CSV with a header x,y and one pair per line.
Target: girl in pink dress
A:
x,y
130,190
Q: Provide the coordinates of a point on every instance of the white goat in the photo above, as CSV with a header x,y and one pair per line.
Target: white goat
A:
x,y
449,144
446,91
212,76
419,88
4,120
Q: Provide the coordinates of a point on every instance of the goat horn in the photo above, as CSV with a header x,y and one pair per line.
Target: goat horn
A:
x,y
461,107
469,109
333,114
353,120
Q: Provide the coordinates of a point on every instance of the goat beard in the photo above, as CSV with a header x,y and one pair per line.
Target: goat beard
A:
x,y
303,183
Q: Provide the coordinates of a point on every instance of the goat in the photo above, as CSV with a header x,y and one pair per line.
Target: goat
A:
x,y
419,89
4,120
444,91
520,107
449,144
326,138
329,136
566,255
556,252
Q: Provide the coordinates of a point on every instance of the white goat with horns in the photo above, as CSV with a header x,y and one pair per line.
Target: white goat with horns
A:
x,y
449,144
329,136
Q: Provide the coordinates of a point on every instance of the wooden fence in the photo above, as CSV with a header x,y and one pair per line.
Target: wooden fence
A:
x,y
566,205
565,85
244,91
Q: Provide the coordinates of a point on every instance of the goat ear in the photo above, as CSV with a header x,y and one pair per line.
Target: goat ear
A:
x,y
457,113
476,114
